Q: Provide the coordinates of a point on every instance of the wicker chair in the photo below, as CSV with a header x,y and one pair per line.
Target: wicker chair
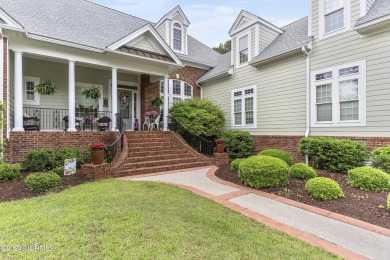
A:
x,y
103,124
31,123
77,123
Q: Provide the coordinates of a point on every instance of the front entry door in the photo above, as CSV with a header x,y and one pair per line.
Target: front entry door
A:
x,y
126,105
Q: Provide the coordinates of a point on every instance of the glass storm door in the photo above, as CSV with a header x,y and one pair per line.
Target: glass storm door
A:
x,y
127,106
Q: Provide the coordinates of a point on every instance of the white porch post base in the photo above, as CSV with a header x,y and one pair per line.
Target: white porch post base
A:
x,y
72,98
166,104
114,98
18,99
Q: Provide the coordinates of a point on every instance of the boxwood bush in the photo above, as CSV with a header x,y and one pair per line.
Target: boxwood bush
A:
x,y
38,160
9,172
42,182
324,188
66,153
335,155
59,171
368,178
263,172
302,171
238,144
235,164
381,158
277,153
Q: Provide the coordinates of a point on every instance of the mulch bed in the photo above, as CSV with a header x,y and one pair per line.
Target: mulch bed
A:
x,y
358,204
16,189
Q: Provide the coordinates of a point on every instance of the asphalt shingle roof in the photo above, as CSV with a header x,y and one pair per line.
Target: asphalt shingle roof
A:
x,y
200,53
379,9
223,64
75,21
295,36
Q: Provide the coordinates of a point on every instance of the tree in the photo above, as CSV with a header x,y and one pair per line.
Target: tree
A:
x,y
224,47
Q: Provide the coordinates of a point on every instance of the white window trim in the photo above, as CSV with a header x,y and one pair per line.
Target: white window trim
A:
x,y
182,95
182,37
246,33
36,101
90,85
347,20
254,95
361,76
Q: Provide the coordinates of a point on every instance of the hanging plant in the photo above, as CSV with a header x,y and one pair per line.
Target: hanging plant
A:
x,y
46,88
92,93
157,102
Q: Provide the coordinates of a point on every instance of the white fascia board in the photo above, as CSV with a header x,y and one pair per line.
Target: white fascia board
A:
x,y
139,32
229,72
11,22
371,23
170,14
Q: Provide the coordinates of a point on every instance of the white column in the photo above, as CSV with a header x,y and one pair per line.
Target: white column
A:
x,y
114,97
18,93
72,98
166,104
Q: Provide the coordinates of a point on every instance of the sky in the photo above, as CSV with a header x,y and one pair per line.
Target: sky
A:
x,y
211,19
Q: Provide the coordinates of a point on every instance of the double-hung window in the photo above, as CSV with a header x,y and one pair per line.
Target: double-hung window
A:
x,y
243,49
338,95
244,107
335,17
30,96
177,37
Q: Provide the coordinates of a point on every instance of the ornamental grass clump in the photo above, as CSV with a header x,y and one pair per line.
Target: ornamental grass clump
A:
x,y
234,166
263,172
324,189
368,178
277,153
302,171
42,182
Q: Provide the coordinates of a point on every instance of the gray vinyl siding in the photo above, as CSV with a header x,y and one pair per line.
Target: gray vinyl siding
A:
x,y
348,47
185,39
266,37
169,24
281,98
58,73
145,44
369,4
234,50
253,42
162,30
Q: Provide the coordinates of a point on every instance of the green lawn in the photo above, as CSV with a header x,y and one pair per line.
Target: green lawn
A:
x,y
138,220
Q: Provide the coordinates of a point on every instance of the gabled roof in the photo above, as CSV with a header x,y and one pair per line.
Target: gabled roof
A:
x,y
76,21
223,65
295,36
171,14
199,53
379,9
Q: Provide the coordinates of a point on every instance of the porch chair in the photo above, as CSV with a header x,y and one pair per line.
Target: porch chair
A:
x,y
156,124
88,121
147,123
77,123
103,124
31,123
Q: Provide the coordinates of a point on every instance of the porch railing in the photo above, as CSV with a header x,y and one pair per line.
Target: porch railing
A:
x,y
53,118
114,150
204,145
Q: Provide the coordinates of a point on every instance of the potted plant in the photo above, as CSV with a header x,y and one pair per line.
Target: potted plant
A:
x,y
97,153
46,88
157,102
151,114
220,145
92,93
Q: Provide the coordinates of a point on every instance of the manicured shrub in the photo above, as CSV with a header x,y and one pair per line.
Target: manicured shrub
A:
x,y
38,160
42,182
302,171
324,188
263,172
9,172
335,155
277,153
59,171
235,164
67,153
368,178
381,158
201,116
238,144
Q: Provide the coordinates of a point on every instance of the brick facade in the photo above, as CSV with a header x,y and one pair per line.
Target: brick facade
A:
x,y
20,143
150,91
290,144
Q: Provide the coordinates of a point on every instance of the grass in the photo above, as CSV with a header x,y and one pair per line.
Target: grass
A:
x,y
139,220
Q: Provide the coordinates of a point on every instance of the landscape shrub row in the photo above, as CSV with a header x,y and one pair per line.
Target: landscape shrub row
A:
x,y
9,172
238,144
42,181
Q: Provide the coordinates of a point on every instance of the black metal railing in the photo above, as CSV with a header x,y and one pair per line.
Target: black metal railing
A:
x,y
204,145
56,119
114,150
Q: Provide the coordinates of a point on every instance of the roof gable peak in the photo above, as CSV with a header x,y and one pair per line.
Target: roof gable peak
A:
x,y
175,14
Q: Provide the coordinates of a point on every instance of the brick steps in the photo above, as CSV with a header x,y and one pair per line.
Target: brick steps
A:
x,y
150,152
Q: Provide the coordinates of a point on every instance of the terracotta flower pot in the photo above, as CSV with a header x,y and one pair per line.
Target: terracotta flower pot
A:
x,y
220,148
97,156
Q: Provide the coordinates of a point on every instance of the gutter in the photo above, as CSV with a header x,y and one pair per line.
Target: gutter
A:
x,y
228,72
295,50
371,23
307,50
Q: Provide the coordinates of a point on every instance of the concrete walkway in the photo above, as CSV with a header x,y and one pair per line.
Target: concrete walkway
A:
x,y
347,237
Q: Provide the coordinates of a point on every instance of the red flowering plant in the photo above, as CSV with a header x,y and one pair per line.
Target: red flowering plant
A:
x,y
98,146
151,113
220,141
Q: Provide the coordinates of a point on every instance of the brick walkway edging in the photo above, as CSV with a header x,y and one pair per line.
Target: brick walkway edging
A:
x,y
242,190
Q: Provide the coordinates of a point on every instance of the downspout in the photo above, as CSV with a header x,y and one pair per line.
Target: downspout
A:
x,y
307,132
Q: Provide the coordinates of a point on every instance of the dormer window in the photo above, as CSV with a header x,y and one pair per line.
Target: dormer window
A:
x,y
244,51
335,17
177,37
